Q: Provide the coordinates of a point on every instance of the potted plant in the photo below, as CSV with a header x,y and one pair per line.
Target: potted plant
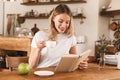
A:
x,y
117,44
102,44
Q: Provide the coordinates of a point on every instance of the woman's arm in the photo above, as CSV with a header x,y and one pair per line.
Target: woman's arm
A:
x,y
34,57
72,50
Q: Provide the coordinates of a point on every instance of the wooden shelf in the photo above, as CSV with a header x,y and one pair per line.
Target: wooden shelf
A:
x,y
46,17
79,17
39,17
110,13
52,3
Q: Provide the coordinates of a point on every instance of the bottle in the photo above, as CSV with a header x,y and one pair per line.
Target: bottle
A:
x,y
32,13
35,29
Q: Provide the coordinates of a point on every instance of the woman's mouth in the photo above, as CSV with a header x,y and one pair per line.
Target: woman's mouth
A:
x,y
62,30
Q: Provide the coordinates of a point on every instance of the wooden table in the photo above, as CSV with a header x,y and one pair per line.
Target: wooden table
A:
x,y
92,73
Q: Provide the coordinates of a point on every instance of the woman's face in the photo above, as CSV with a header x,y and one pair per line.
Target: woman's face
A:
x,y
62,22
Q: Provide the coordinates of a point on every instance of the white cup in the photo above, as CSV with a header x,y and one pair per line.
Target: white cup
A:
x,y
80,47
118,60
50,44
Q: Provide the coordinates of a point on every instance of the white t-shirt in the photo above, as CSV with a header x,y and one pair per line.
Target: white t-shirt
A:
x,y
50,56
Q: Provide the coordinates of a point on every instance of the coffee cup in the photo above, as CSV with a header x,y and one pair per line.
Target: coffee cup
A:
x,y
50,44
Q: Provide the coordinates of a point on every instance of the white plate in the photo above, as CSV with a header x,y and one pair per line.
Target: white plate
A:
x,y
44,73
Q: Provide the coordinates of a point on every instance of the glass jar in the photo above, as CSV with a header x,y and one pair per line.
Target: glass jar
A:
x,y
102,60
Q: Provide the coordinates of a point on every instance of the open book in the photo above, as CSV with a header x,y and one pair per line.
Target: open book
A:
x,y
70,62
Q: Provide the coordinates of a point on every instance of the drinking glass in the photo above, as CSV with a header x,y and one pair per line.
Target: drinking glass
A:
x,y
102,60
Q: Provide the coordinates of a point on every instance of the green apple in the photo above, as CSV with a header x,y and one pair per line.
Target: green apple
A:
x,y
23,68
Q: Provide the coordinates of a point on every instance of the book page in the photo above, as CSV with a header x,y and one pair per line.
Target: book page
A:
x,y
66,62
70,62
82,57
73,65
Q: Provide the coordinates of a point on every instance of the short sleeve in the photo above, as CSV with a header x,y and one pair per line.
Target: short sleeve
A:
x,y
39,36
74,41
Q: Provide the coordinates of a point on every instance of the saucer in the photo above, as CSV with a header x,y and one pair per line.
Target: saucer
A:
x,y
44,73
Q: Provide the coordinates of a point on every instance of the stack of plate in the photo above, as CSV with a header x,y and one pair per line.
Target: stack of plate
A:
x,y
111,59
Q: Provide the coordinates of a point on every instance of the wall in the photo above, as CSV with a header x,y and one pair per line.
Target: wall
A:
x,y
103,21
1,17
89,28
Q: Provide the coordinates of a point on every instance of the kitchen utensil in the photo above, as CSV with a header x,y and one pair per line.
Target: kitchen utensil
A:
x,y
20,20
113,26
117,34
9,24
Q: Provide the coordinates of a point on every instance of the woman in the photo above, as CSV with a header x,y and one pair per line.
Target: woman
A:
x,y
61,34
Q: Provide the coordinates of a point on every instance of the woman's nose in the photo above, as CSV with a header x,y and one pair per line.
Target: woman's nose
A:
x,y
64,24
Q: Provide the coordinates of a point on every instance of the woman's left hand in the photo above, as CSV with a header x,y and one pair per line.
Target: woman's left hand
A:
x,y
83,64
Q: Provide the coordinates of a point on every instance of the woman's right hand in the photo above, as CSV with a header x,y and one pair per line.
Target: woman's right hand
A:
x,y
41,44
34,57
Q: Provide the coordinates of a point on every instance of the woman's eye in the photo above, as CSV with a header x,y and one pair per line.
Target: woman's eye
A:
x,y
67,22
61,21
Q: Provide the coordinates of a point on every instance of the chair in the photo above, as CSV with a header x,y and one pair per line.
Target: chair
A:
x,y
12,62
16,44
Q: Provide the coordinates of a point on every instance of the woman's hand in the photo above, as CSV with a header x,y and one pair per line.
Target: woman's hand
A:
x,y
84,64
41,44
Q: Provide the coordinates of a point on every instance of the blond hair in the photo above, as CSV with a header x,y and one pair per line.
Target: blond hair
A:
x,y
61,8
